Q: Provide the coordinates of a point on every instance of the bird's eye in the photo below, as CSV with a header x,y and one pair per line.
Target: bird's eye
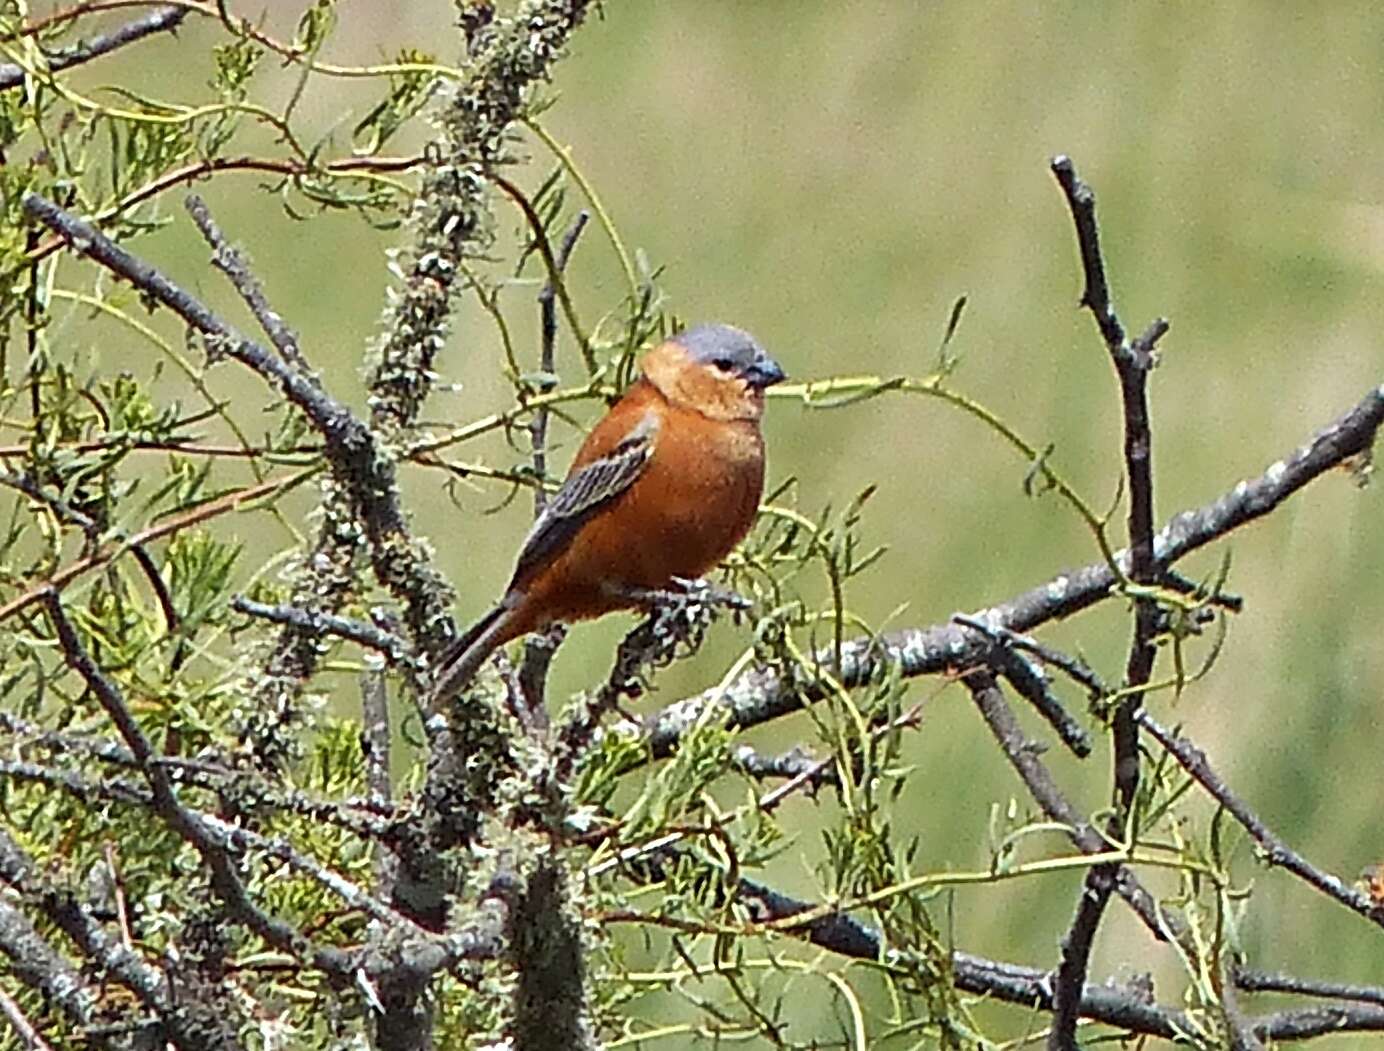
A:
x,y
723,365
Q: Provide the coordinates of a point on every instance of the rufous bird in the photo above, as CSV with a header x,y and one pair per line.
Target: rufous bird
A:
x,y
661,490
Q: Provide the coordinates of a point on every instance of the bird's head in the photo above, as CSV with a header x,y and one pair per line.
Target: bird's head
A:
x,y
718,370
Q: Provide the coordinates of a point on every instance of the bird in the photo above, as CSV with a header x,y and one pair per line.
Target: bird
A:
x,y
662,489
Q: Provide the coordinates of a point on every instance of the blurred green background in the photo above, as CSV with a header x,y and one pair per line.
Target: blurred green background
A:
x,y
833,177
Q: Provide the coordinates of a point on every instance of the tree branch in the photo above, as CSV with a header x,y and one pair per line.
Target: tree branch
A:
x,y
194,1024
1133,363
1023,756
540,649
319,624
1127,1008
1031,683
39,966
1275,851
450,218
211,846
762,694
157,21
231,263
375,739
1028,987
1255,981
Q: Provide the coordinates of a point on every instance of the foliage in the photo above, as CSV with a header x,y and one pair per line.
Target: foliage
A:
x,y
287,853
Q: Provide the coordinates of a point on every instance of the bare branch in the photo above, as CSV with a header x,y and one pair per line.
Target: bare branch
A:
x,y
157,21
1030,682
1254,981
1025,986
1324,1020
762,694
1096,294
792,764
231,263
1074,668
1132,365
1275,851
540,649
1023,757
318,623
547,360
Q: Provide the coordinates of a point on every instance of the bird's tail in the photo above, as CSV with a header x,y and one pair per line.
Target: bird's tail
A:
x,y
466,653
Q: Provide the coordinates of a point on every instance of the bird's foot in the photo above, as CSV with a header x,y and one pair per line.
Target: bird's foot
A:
x,y
709,594
682,593
678,617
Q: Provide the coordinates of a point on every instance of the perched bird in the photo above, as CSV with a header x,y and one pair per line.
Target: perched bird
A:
x,y
661,490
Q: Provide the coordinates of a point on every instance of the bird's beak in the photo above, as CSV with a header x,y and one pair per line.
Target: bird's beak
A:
x,y
764,372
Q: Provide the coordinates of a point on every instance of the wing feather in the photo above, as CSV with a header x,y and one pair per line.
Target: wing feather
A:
x,y
586,490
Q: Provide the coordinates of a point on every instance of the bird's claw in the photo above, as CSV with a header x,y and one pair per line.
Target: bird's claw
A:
x,y
685,593
704,591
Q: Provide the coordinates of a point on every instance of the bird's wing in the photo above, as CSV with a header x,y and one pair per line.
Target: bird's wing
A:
x,y
587,489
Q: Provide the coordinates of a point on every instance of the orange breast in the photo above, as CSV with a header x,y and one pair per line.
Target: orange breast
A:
x,y
694,502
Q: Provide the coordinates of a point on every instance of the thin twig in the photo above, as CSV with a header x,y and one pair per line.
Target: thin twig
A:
x,y
308,620
1132,365
24,1029
540,650
1032,684
211,509
1255,981
547,364
540,239
1274,850
762,694
1074,668
164,18
231,263
94,530
1024,758
293,170
1096,294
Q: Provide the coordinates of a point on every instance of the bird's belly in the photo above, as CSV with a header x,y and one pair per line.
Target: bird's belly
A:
x,y
679,524
688,529
694,503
